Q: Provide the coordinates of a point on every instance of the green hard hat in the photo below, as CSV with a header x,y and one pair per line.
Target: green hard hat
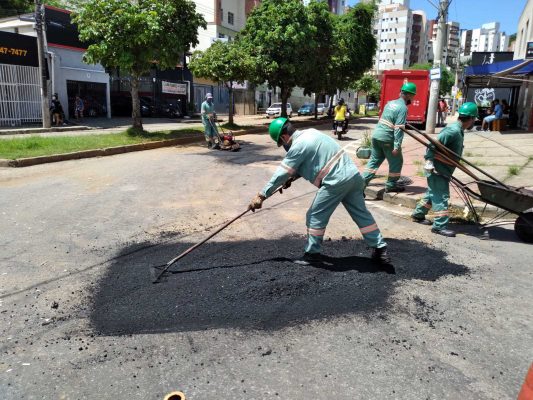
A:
x,y
469,109
276,127
409,87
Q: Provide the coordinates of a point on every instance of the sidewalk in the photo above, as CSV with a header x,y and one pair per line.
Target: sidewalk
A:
x,y
92,126
508,156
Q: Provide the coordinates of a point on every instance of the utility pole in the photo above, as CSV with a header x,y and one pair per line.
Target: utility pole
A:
x,y
39,17
435,84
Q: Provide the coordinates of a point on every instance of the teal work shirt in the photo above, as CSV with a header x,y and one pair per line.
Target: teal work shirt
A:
x,y
317,158
394,114
207,109
453,138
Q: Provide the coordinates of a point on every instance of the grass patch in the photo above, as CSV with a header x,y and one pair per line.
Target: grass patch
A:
x,y
372,113
513,170
34,146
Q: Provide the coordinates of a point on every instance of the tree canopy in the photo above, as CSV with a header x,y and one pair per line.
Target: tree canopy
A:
x,y
222,62
133,36
369,85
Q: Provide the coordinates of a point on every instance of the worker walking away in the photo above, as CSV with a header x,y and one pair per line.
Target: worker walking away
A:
x,y
439,171
387,139
209,119
319,159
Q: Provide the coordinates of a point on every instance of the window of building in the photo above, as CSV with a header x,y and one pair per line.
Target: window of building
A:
x,y
221,35
222,14
230,18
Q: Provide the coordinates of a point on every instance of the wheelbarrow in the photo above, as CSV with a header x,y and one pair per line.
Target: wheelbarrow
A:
x,y
489,190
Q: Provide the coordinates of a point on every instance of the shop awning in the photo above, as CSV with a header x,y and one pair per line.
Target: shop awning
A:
x,y
500,74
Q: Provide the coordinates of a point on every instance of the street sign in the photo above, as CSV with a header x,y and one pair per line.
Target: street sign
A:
x,y
434,73
529,51
173,88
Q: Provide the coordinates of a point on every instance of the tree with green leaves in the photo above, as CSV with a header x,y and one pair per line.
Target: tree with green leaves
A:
x,y
276,37
369,85
320,50
446,80
133,35
222,62
9,8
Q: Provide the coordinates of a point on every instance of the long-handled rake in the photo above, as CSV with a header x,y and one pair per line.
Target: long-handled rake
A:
x,y
157,273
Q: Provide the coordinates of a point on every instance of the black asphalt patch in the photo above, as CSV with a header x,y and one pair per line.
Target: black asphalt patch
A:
x,y
253,285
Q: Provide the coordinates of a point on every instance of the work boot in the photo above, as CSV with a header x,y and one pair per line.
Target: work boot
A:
x,y
310,259
444,232
216,146
209,145
421,221
395,189
380,255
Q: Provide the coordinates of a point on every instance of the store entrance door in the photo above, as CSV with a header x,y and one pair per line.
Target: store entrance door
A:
x,y
93,96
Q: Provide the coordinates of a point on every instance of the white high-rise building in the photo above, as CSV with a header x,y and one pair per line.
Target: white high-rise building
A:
x,y
393,34
335,6
419,38
451,47
487,38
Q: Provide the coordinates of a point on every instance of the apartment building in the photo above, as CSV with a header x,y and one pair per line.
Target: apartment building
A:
x,y
452,46
524,33
393,30
335,6
419,38
488,38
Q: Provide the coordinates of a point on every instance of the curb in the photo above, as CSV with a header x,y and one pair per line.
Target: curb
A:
x,y
26,162
410,202
44,130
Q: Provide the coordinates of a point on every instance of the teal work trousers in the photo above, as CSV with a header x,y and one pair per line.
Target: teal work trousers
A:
x,y
210,131
328,197
436,197
380,152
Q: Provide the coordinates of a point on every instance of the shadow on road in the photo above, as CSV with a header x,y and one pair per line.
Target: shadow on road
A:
x,y
249,153
253,285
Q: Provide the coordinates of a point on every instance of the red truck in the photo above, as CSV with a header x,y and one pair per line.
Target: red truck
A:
x,y
390,90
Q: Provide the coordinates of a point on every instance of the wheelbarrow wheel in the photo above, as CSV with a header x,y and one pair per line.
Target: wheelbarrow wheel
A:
x,y
523,226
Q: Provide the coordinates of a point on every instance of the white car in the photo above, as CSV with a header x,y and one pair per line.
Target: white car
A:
x,y
275,110
321,107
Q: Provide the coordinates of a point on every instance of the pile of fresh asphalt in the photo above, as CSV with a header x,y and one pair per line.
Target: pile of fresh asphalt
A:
x,y
252,285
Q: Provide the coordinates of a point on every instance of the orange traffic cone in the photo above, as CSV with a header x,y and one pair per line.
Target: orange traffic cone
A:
x,y
527,388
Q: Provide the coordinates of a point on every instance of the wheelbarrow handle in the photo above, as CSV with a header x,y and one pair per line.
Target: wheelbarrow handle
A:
x,y
444,148
445,156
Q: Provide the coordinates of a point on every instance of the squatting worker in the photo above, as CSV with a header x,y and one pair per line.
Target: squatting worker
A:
x,y
440,170
319,159
387,139
208,119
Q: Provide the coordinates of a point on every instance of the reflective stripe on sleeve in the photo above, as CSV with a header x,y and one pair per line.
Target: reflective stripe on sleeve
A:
x,y
290,170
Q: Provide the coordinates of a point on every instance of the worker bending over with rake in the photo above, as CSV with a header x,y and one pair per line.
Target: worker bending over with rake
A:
x,y
319,159
387,139
439,171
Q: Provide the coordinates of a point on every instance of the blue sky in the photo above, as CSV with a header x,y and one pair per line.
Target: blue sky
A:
x,y
472,14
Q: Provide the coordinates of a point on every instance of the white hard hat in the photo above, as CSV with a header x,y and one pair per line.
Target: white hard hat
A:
x,y
208,96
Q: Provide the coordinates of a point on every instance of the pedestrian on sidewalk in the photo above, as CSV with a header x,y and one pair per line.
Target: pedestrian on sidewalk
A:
x,y
497,113
209,119
443,109
319,159
78,108
387,139
57,110
439,171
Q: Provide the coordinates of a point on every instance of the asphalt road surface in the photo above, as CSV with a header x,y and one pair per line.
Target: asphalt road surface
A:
x,y
237,319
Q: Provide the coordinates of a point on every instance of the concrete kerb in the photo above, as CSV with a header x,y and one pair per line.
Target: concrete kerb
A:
x,y
410,201
30,131
26,162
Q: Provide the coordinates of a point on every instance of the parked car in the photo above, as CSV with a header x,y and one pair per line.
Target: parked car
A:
x,y
321,108
307,109
275,110
371,106
122,106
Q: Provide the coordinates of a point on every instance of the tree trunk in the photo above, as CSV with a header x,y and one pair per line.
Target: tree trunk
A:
x,y
135,103
285,93
231,107
316,106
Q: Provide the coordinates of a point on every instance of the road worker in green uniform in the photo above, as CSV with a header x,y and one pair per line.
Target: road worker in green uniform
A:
x,y
319,159
208,119
387,139
439,172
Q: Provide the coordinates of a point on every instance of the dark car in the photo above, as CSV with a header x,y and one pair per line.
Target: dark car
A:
x,y
122,106
307,109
